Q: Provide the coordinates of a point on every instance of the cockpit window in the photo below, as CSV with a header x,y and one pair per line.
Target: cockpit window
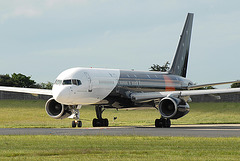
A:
x,y
76,82
79,82
58,82
70,82
67,82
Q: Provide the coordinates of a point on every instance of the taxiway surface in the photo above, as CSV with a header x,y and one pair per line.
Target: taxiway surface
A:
x,y
222,130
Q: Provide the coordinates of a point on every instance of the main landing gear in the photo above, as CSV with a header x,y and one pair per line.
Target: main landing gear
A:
x,y
99,122
76,116
163,123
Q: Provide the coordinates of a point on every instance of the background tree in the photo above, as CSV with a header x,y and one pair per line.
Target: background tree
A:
x,y
164,68
21,80
235,85
47,85
6,80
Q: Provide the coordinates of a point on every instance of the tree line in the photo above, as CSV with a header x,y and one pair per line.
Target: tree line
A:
x,y
20,80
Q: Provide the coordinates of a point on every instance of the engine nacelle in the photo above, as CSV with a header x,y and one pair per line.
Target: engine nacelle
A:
x,y
57,110
173,108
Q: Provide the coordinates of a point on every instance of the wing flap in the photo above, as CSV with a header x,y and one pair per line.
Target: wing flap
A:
x,y
33,91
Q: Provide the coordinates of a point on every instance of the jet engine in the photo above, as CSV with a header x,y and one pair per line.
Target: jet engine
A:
x,y
173,108
57,110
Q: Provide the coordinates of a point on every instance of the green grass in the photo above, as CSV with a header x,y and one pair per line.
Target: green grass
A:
x,y
212,113
31,113
15,113
117,148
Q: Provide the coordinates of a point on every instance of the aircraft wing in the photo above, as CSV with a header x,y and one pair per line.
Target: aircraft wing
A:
x,y
156,95
33,91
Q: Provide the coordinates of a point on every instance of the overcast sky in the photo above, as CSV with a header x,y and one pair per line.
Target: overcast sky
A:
x,y
41,38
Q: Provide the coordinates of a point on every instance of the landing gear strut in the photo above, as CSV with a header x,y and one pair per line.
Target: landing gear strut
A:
x,y
76,116
163,123
99,122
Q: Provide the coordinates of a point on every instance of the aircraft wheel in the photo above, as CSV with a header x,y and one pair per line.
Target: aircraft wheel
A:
x,y
105,122
95,123
158,123
100,122
74,124
166,123
79,123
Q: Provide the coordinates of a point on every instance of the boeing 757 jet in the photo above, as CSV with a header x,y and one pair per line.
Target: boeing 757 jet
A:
x,y
169,91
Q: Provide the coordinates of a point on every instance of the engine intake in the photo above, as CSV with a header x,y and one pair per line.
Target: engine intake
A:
x,y
57,110
173,108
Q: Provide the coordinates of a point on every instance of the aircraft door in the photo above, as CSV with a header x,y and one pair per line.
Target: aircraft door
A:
x,y
89,81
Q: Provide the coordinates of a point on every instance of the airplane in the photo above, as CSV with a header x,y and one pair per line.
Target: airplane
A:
x,y
169,92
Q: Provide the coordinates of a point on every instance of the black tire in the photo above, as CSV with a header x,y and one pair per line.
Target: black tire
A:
x,y
105,122
95,123
166,123
79,124
100,122
74,124
158,123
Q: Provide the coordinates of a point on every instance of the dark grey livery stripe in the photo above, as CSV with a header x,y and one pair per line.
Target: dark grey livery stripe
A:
x,y
148,81
141,81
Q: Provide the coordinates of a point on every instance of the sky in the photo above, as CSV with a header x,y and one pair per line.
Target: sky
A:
x,y
42,38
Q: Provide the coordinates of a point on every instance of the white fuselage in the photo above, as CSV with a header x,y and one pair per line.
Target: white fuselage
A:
x,y
94,86
83,86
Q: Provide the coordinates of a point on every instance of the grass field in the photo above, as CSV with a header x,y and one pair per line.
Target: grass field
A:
x,y
117,148
15,113
31,113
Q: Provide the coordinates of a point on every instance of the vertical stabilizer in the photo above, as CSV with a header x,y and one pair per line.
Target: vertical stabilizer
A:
x,y
180,62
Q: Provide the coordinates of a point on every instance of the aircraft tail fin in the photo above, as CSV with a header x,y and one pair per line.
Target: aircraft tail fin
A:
x,y
180,62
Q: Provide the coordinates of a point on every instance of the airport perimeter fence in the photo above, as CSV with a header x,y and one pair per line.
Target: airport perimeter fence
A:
x,y
233,97
230,97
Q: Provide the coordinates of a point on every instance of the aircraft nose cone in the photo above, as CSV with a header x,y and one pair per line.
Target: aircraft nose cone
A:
x,y
60,94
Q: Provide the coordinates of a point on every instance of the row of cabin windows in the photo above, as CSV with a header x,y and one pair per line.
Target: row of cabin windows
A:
x,y
68,82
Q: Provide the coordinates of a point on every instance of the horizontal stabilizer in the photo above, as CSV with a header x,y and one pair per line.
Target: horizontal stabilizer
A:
x,y
211,84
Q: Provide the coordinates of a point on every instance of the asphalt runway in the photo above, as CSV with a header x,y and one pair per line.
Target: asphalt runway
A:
x,y
213,130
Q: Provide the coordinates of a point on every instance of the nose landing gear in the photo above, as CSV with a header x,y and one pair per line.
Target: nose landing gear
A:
x,y
76,116
76,123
